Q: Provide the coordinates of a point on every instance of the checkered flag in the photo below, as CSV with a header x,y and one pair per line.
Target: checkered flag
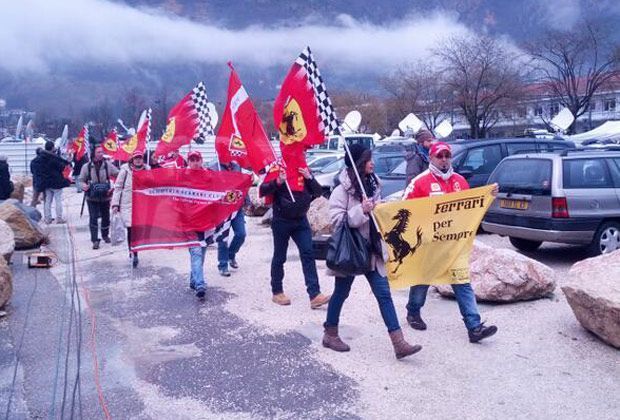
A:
x,y
200,100
148,129
325,111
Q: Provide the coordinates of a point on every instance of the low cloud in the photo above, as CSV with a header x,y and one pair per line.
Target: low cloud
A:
x,y
41,35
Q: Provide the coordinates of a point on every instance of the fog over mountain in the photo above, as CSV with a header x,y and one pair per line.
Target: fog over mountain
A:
x,y
73,53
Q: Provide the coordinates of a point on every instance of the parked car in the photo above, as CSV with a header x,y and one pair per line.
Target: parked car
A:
x,y
570,197
476,159
335,144
326,175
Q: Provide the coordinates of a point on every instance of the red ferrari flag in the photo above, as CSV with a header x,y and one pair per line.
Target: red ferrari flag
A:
x,y
188,120
175,207
80,144
241,136
110,143
303,114
137,142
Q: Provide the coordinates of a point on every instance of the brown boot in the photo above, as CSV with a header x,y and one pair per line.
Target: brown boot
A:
x,y
319,300
332,341
401,347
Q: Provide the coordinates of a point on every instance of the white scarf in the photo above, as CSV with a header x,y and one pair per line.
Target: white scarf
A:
x,y
439,173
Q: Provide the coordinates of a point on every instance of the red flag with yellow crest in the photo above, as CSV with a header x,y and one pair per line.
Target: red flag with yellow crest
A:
x,y
188,120
137,142
303,115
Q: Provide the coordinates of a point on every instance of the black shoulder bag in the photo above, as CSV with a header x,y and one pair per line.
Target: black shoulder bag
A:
x,y
99,190
348,252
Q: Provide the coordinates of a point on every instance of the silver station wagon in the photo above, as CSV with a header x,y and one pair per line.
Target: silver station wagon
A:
x,y
570,197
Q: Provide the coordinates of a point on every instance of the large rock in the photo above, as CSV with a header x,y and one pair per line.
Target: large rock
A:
x,y
267,218
503,275
257,206
18,190
318,216
27,233
593,292
6,283
7,241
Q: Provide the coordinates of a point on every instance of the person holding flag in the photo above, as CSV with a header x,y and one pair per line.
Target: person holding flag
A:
x,y
122,195
197,253
241,142
354,202
440,179
304,116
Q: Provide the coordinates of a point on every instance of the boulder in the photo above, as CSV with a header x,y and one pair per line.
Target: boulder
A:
x,y
6,283
7,241
504,275
18,191
256,206
593,293
27,233
318,216
25,180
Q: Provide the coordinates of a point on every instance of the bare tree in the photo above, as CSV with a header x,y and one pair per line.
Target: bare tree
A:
x,y
574,64
484,78
373,109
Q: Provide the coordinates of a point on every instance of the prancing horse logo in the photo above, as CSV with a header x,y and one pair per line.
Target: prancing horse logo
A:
x,y
394,238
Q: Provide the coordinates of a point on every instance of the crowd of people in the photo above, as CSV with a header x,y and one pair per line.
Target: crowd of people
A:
x,y
108,190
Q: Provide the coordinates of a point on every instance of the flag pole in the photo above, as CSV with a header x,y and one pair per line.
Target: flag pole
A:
x,y
357,175
275,157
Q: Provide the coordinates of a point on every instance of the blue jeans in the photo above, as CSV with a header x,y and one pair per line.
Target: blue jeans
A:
x,y
52,195
380,288
226,252
197,262
299,230
464,295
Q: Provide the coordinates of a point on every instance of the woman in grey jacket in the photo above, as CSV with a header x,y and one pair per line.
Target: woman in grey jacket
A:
x,y
347,201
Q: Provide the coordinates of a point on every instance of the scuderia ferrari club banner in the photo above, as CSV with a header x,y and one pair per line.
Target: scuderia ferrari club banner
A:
x,y
174,207
429,239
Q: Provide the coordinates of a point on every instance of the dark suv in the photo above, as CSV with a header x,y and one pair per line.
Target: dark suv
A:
x,y
570,197
476,159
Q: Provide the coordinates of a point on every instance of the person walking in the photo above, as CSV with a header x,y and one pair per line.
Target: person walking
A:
x,y
121,197
52,181
226,253
439,179
95,180
347,201
417,159
197,253
290,221
6,185
36,165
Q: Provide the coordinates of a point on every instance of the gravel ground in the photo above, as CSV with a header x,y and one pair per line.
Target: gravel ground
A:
x,y
162,354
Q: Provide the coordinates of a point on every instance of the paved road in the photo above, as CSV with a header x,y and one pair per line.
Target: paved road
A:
x,y
150,350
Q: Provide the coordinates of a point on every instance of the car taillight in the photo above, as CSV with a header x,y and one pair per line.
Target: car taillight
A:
x,y
559,207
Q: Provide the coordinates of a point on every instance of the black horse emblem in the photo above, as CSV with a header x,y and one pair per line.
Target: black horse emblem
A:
x,y
288,119
394,238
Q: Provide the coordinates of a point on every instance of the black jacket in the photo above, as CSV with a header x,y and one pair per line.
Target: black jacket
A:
x,y
51,171
6,186
36,169
283,206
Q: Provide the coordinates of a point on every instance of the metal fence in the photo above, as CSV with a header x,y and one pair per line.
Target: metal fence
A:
x,y
20,154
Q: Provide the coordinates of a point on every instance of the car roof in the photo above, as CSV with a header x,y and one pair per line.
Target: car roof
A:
x,y
476,142
569,153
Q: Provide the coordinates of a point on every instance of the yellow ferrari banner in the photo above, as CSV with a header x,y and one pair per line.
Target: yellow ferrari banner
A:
x,y
429,239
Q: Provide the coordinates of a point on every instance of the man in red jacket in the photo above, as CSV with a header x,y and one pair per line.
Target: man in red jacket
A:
x,y
440,179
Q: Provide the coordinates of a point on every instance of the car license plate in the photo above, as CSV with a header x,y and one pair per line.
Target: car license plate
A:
x,y
513,204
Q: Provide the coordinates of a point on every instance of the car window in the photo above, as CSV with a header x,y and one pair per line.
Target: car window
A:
x,y
332,167
514,148
367,142
400,169
321,162
586,173
482,160
523,175
614,165
385,164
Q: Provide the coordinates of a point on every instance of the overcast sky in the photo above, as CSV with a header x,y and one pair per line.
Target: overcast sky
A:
x,y
38,34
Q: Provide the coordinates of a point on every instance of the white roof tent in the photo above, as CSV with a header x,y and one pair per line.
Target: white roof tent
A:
x,y
609,130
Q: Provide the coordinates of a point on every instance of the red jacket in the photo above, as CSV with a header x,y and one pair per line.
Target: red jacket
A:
x,y
427,184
